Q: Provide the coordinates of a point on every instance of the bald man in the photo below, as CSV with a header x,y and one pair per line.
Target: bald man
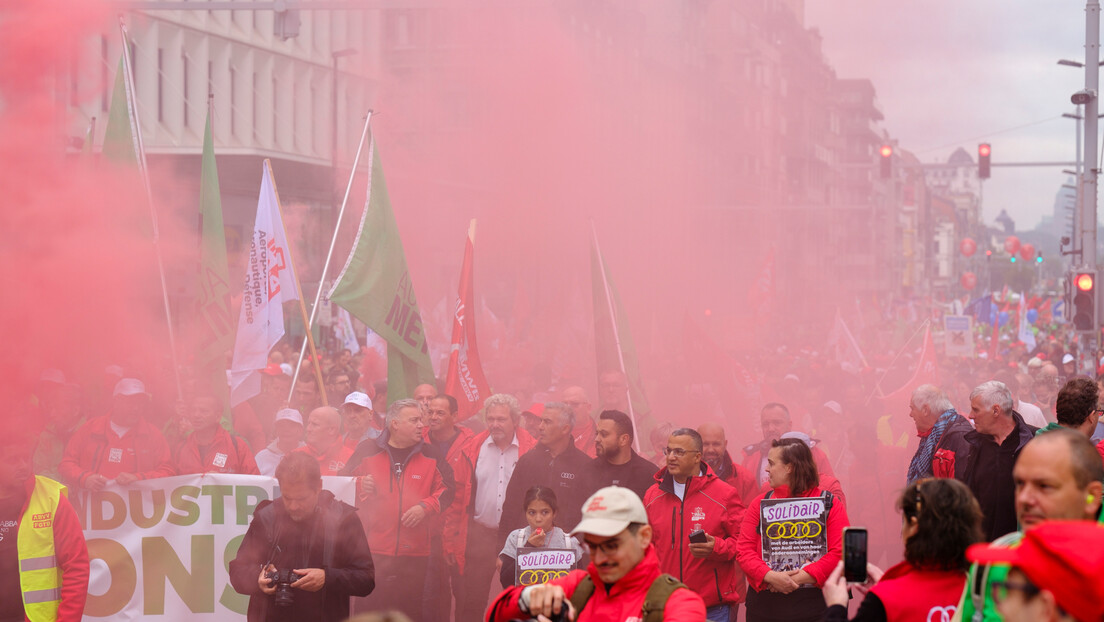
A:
x,y
324,443
715,454
584,430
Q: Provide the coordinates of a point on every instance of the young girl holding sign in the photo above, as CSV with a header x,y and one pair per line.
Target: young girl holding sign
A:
x,y
540,512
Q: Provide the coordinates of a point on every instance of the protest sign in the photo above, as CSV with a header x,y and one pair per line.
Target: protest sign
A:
x,y
538,565
958,339
794,532
162,547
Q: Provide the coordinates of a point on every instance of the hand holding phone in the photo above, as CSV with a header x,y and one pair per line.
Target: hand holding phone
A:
x,y
698,537
854,554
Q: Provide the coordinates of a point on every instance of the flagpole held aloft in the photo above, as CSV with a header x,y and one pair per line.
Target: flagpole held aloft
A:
x,y
298,291
616,337
333,243
140,156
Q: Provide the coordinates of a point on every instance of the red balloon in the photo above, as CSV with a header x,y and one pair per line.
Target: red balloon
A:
x,y
1011,244
1027,251
968,281
968,246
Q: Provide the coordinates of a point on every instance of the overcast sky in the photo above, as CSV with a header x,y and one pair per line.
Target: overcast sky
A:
x,y
953,73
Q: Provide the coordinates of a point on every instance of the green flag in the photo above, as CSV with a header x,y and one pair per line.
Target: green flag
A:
x,y
216,335
613,344
375,288
118,142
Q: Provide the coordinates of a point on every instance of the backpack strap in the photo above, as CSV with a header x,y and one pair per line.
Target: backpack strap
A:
x,y
658,594
827,496
582,594
759,524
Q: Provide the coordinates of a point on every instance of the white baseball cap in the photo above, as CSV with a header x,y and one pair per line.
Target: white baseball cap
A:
x,y
289,414
1068,358
801,436
610,511
359,399
130,386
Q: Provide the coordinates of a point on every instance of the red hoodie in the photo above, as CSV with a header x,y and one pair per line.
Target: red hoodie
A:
x,y
715,507
453,522
749,548
622,601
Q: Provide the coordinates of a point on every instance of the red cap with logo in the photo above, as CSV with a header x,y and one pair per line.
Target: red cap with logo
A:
x,y
1065,558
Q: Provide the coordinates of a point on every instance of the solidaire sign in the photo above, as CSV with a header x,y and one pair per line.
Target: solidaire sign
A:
x,y
793,532
162,547
539,565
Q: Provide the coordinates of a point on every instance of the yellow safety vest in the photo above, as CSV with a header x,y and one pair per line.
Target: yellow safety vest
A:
x,y
39,574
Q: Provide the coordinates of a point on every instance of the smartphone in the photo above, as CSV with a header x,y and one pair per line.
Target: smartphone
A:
x,y
698,537
854,554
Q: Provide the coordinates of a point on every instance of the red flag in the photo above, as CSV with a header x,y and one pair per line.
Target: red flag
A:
x,y
465,380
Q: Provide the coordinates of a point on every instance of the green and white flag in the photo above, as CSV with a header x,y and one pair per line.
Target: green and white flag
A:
x,y
375,287
118,144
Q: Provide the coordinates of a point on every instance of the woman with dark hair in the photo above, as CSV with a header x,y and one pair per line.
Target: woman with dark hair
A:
x,y
940,520
780,589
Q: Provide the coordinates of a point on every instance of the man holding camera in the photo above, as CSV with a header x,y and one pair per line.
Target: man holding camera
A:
x,y
305,553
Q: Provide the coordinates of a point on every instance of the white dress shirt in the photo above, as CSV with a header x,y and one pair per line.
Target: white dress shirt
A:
x,y
493,468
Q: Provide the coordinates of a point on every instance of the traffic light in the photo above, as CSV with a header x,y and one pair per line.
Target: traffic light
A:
x,y
1084,301
983,160
886,153
1012,259
1039,258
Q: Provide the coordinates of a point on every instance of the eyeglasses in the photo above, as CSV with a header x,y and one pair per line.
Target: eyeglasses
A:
x,y
677,452
1002,588
609,547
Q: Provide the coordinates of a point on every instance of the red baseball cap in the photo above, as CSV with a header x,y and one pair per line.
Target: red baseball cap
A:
x,y
1061,557
273,369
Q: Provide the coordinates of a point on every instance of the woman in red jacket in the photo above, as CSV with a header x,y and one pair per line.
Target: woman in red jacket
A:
x,y
787,589
941,519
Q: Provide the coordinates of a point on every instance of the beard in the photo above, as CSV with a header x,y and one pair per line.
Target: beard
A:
x,y
714,462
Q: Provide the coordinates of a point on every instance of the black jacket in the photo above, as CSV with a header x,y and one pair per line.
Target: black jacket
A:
x,y
332,539
988,473
567,475
637,475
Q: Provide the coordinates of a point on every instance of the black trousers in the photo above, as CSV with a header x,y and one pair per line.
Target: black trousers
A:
x,y
443,584
804,604
480,555
400,586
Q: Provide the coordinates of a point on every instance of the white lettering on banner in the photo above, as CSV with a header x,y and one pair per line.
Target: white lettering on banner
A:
x,y
160,548
795,511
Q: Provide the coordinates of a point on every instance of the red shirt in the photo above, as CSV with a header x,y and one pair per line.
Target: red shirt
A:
x,y
332,460
225,454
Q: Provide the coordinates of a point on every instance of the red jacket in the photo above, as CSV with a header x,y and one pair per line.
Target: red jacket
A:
x,y
333,461
226,454
827,482
622,602
749,548
424,478
470,452
709,504
911,594
452,524
72,556
95,449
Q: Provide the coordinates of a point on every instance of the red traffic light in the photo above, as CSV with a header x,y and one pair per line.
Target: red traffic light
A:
x,y
886,151
984,150
1084,282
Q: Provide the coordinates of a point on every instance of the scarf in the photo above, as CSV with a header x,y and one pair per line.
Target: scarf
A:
x,y
921,462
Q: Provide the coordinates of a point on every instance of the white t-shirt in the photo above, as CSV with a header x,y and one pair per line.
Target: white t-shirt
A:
x,y
680,489
1031,414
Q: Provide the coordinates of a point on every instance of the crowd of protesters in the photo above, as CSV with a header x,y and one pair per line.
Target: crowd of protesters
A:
x,y
445,505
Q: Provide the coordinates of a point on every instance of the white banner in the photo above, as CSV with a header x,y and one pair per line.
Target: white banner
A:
x,y
958,335
161,547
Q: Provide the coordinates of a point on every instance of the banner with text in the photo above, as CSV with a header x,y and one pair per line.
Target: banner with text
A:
x,y
162,547
794,532
539,565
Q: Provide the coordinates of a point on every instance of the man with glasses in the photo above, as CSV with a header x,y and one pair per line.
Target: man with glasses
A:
x,y
696,518
1057,477
1077,407
402,483
1054,575
623,573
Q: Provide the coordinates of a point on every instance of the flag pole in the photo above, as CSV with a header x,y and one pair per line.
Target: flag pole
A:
x,y
298,289
333,242
878,385
616,337
140,157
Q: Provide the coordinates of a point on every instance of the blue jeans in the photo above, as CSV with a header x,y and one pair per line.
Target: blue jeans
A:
x,y
719,613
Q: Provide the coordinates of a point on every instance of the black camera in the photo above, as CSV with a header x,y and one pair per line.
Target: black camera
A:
x,y
283,579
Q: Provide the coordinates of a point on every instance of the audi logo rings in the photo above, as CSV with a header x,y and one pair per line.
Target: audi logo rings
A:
x,y
786,530
532,577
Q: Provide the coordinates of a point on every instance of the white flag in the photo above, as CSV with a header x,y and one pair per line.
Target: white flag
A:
x,y
1026,335
269,282
343,331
